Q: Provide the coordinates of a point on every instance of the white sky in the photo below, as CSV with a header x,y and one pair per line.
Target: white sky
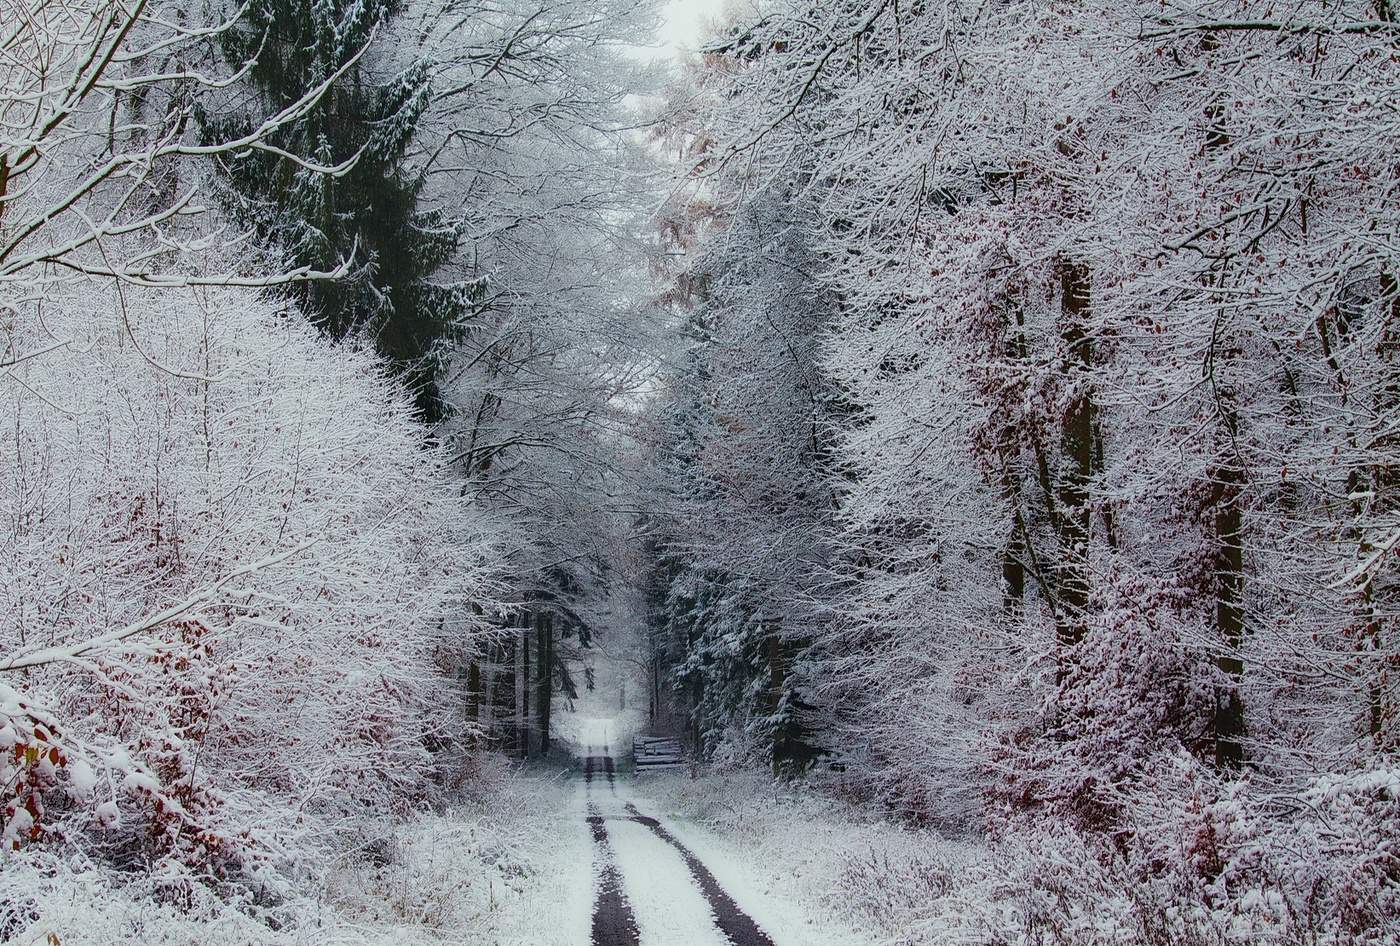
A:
x,y
682,23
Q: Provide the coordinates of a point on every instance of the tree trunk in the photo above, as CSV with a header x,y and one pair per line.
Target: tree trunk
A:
x,y
1229,618
1381,698
544,676
474,693
776,679
697,696
1074,517
522,675
1013,574
1379,483
473,704
494,688
654,691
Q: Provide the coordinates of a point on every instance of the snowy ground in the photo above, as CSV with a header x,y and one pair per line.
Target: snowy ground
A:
x,y
535,856
727,858
816,872
506,870
507,866
536,873
549,856
669,893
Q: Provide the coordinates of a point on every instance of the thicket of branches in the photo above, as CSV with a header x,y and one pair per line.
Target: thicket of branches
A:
x,y
311,333
1035,451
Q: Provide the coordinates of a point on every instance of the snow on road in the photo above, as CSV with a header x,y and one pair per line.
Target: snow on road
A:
x,y
670,909
650,888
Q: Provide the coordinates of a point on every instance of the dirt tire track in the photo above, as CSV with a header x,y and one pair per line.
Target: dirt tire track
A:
x,y
614,923
737,926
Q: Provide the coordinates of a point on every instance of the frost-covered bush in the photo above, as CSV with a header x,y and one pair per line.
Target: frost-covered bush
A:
x,y
1109,314
234,588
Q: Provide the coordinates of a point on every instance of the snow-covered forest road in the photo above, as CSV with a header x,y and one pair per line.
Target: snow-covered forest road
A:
x,y
561,472
650,889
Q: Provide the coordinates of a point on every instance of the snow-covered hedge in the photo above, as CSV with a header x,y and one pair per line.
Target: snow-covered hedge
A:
x,y
234,587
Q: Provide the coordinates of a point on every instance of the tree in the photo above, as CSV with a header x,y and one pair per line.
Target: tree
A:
x,y
742,441
224,499
1109,312
529,145
337,186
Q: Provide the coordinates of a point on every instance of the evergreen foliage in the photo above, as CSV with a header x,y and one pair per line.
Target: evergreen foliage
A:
x,y
343,190
746,430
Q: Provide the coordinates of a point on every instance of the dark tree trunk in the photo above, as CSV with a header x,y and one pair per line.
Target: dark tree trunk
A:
x,y
544,676
1229,619
499,696
697,696
651,690
1074,518
473,703
1013,574
522,697
776,680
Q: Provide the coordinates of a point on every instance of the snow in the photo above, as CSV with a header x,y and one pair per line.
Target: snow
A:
x,y
1015,420
509,870
506,868
783,856
670,909
81,777
512,863
774,862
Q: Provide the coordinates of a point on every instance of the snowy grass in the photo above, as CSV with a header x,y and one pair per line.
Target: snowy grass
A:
x,y
497,868
813,870
508,864
816,871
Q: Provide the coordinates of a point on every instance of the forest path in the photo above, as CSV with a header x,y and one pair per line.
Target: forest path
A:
x,y
649,888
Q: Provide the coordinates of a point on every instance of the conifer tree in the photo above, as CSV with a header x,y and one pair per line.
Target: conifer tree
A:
x,y
343,190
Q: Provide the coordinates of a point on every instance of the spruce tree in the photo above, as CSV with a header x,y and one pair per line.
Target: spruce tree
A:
x,y
368,215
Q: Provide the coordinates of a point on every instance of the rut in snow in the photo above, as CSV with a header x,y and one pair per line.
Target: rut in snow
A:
x,y
614,923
